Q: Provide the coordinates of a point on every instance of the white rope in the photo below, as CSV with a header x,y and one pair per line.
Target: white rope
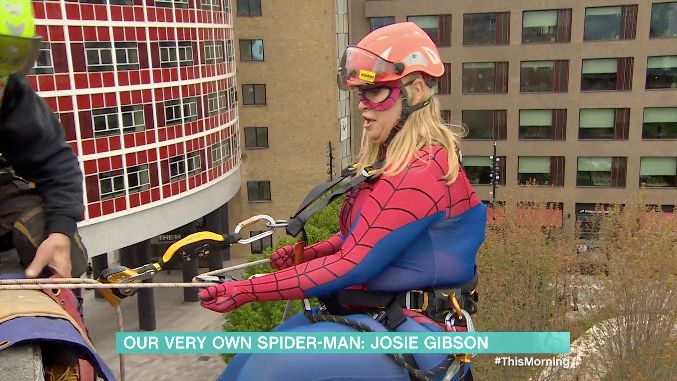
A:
x,y
73,283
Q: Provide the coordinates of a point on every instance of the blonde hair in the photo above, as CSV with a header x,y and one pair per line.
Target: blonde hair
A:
x,y
423,128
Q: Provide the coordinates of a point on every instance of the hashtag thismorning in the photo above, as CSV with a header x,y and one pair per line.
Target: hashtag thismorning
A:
x,y
531,361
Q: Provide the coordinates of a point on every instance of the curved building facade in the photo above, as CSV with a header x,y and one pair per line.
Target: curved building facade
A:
x,y
146,93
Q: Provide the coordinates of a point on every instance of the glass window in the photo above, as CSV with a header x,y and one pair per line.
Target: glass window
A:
x,y
658,172
249,8
111,184
661,72
251,50
254,94
138,178
377,22
99,56
663,20
539,26
536,124
127,55
485,124
258,191
105,121
660,123
43,64
537,76
603,23
599,74
477,169
534,170
486,28
256,137
214,52
177,168
596,123
175,53
479,77
257,247
193,163
438,27
601,171
133,119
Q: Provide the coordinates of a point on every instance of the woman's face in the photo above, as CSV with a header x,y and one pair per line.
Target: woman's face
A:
x,y
378,123
381,107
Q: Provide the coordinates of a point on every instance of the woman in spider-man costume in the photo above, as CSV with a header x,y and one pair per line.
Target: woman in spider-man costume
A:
x,y
417,226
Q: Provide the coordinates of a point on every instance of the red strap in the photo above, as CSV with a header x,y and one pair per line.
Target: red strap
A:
x,y
67,300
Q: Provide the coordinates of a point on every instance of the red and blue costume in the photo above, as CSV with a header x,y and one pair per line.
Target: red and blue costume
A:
x,y
398,233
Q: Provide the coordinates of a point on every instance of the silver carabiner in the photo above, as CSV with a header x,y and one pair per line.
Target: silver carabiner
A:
x,y
251,221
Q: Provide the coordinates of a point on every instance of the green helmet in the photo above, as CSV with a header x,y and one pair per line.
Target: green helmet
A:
x,y
19,46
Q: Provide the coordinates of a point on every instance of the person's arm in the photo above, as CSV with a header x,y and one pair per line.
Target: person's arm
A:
x,y
32,141
398,203
284,256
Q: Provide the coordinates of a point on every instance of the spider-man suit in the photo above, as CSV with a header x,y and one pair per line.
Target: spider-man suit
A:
x,y
402,232
398,233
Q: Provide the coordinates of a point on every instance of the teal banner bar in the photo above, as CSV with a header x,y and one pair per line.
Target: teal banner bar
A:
x,y
341,342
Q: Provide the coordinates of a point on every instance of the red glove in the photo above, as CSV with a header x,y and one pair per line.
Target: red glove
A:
x,y
282,258
226,297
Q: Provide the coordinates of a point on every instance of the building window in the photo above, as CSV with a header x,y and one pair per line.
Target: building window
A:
x,y
604,124
214,52
175,53
138,178
485,78
658,172
601,172
177,168
543,124
438,27
111,184
607,74
588,219
259,246
251,50
256,137
232,98
217,103
219,152
540,170
105,121
660,123
127,55
249,8
377,22
133,119
610,23
258,191
485,124
99,56
170,3
486,28
661,72
546,26
44,63
478,169
193,163
211,5
173,110
544,76
254,94
230,52
663,20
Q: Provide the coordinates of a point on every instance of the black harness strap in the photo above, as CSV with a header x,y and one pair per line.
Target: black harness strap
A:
x,y
298,221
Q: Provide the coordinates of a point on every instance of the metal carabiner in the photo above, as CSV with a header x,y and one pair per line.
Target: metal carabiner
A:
x,y
251,221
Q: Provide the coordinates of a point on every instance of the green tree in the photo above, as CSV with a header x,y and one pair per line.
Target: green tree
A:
x,y
262,317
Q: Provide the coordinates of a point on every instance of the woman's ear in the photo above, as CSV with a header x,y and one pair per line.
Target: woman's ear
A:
x,y
417,91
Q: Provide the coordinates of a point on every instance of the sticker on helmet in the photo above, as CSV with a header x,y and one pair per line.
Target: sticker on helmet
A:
x,y
367,76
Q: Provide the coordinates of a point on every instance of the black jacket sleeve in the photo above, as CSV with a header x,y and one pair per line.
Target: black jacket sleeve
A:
x,y
32,141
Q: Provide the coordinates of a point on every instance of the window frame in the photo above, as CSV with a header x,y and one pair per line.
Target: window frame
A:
x,y
46,51
136,111
254,87
669,181
672,127
260,190
142,182
672,29
116,179
240,7
109,116
250,43
257,144
499,18
100,48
